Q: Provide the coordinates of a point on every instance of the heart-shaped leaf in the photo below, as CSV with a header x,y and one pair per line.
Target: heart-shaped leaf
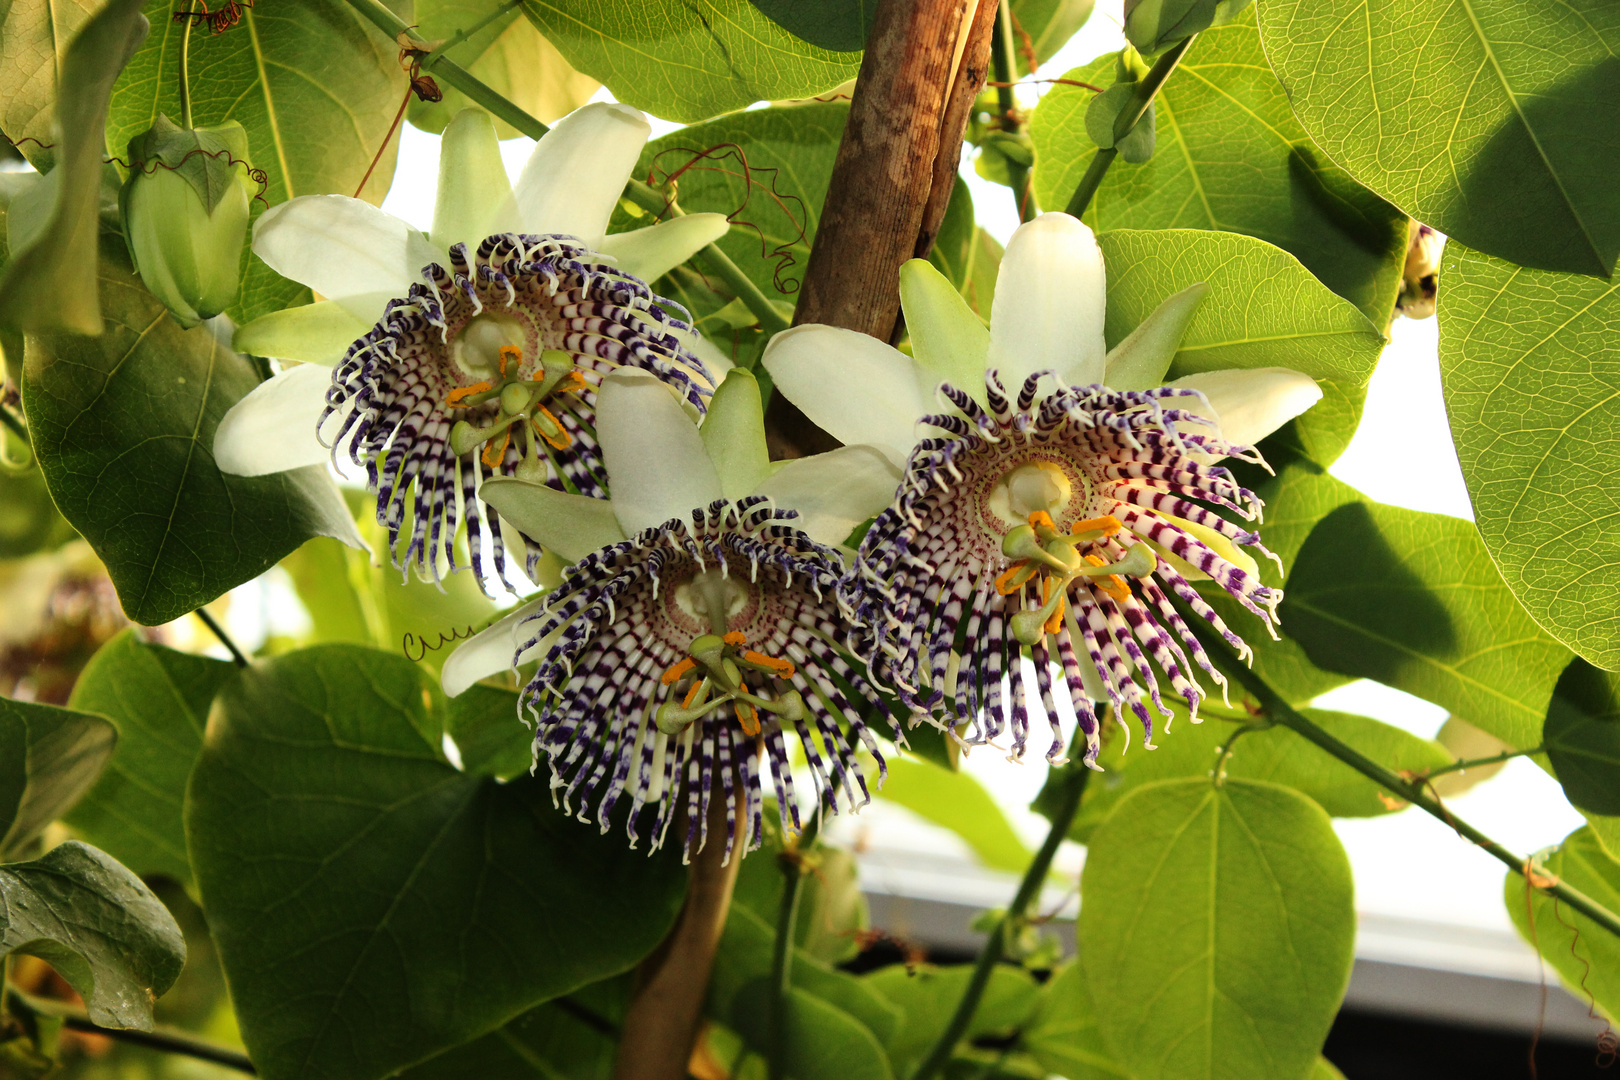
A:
x,y
49,757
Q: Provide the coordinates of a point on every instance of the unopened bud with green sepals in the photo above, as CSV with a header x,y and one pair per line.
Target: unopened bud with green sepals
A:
x,y
185,214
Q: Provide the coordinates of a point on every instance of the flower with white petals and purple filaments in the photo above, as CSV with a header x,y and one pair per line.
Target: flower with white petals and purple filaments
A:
x,y
1054,524
490,367
669,660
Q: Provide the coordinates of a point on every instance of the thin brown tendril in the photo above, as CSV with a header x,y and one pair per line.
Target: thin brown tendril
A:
x,y
1530,876
1053,82
1608,1043
1026,46
423,86
219,20
258,176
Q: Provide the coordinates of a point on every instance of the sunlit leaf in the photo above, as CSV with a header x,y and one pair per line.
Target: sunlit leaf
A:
x,y
49,757
1494,123
1531,373
1063,1033
1216,930
1043,27
375,907
1585,955
98,926
927,996
34,38
1582,737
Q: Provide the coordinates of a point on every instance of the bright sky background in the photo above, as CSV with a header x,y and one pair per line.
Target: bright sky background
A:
x,y
1407,863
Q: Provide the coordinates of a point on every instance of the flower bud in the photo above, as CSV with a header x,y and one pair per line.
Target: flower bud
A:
x,y
1420,281
185,214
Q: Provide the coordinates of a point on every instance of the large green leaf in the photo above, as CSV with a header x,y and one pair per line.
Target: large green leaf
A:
x,y
1274,754
569,1039
1585,955
124,426
375,907
835,25
314,85
49,757
49,283
775,201
1264,309
159,699
927,997
98,926
819,1040
1063,1033
1045,26
1216,930
1582,737
34,37
1491,120
690,61
1411,599
958,802
1230,156
832,909
1532,378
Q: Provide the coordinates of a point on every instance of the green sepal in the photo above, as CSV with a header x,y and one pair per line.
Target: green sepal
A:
x,y
1102,116
207,157
1152,25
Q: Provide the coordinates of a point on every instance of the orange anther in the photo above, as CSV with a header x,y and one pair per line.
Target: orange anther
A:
x,y
1041,517
783,668
563,440
510,352
675,673
1055,623
747,717
1108,524
491,456
1005,585
454,401
735,638
691,695
572,383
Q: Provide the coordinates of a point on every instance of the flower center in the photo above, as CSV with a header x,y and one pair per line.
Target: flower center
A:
x,y
520,400
712,598
1040,551
476,350
1035,487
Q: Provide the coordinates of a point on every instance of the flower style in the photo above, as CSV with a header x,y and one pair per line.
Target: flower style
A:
x,y
475,351
699,624
1047,522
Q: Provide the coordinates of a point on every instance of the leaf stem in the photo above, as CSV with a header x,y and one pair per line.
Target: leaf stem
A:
x,y
462,35
1414,793
1072,787
787,919
503,108
185,73
165,1039
1003,59
224,638
1476,763
1146,91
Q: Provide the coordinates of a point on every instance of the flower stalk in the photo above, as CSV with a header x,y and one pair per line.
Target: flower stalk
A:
x,y
185,74
1003,55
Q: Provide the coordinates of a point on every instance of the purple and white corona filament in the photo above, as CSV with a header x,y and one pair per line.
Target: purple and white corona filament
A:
x,y
1056,526
490,366
672,662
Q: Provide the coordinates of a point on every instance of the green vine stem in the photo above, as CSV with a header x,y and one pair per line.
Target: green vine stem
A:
x,y
185,73
787,919
224,638
1479,763
1071,788
643,195
1146,91
164,1039
1414,792
1003,57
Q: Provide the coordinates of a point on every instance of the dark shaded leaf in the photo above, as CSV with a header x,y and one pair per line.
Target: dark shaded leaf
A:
x,y
835,25
1582,736
49,757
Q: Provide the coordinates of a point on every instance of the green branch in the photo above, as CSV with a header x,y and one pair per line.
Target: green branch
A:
x,y
501,107
1004,60
1146,91
787,920
224,638
164,1039
1414,792
1477,763
1071,787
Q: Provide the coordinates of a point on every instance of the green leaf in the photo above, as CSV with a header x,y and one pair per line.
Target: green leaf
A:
x,y
1582,737
979,285
1231,157
1585,955
928,996
508,55
1063,1033
952,254
50,284
690,61
819,1041
832,909
490,733
1325,1070
98,926
559,1040
373,906
324,575
1531,376
1048,25
49,757
958,802
1275,754
1264,310
1493,123
314,85
789,154
835,25
34,38
1217,929
159,700
1411,599
124,427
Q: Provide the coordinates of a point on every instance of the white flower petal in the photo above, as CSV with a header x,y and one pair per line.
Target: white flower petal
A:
x,y
950,343
733,434
578,170
652,252
571,525
657,466
1140,361
344,249
473,189
272,429
835,491
855,387
1251,403
489,652
318,333
1051,296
